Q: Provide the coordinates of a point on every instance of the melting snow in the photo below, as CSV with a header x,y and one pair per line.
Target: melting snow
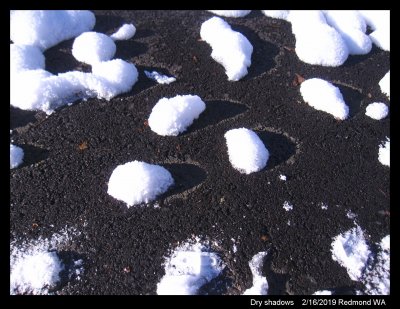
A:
x,y
159,78
126,32
231,13
188,268
384,152
16,156
377,110
384,84
287,206
260,284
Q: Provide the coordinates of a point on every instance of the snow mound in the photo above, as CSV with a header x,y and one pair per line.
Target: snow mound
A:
x,y
16,156
229,48
93,47
384,153
47,28
280,14
138,182
188,268
173,116
351,251
25,57
246,151
384,84
260,284
352,28
126,32
324,96
324,47
35,265
159,78
230,13
377,110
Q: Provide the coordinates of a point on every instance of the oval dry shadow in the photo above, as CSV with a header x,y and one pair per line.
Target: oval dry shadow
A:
x,y
279,146
215,112
263,57
32,155
186,176
352,98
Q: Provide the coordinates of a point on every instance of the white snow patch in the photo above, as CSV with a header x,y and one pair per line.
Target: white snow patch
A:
x,y
351,251
377,110
324,47
384,152
229,48
324,96
171,116
230,13
287,206
384,84
280,14
92,47
324,206
323,292
47,28
35,265
126,32
282,177
25,57
352,27
260,284
138,182
159,78
379,21
188,268
377,278
16,156
246,151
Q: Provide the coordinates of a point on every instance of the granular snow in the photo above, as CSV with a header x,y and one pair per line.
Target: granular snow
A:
x,y
260,284
324,96
16,156
188,268
246,151
229,48
174,115
351,251
126,32
93,47
377,110
138,182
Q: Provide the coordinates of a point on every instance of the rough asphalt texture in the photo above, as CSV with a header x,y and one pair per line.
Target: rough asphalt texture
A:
x,y
70,155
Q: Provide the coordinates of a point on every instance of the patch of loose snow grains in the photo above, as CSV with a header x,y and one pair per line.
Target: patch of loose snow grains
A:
x,y
38,266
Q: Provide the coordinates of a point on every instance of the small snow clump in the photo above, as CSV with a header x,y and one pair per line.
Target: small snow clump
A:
x,y
126,32
229,48
159,78
93,47
324,96
138,182
172,116
246,151
384,152
377,110
384,84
